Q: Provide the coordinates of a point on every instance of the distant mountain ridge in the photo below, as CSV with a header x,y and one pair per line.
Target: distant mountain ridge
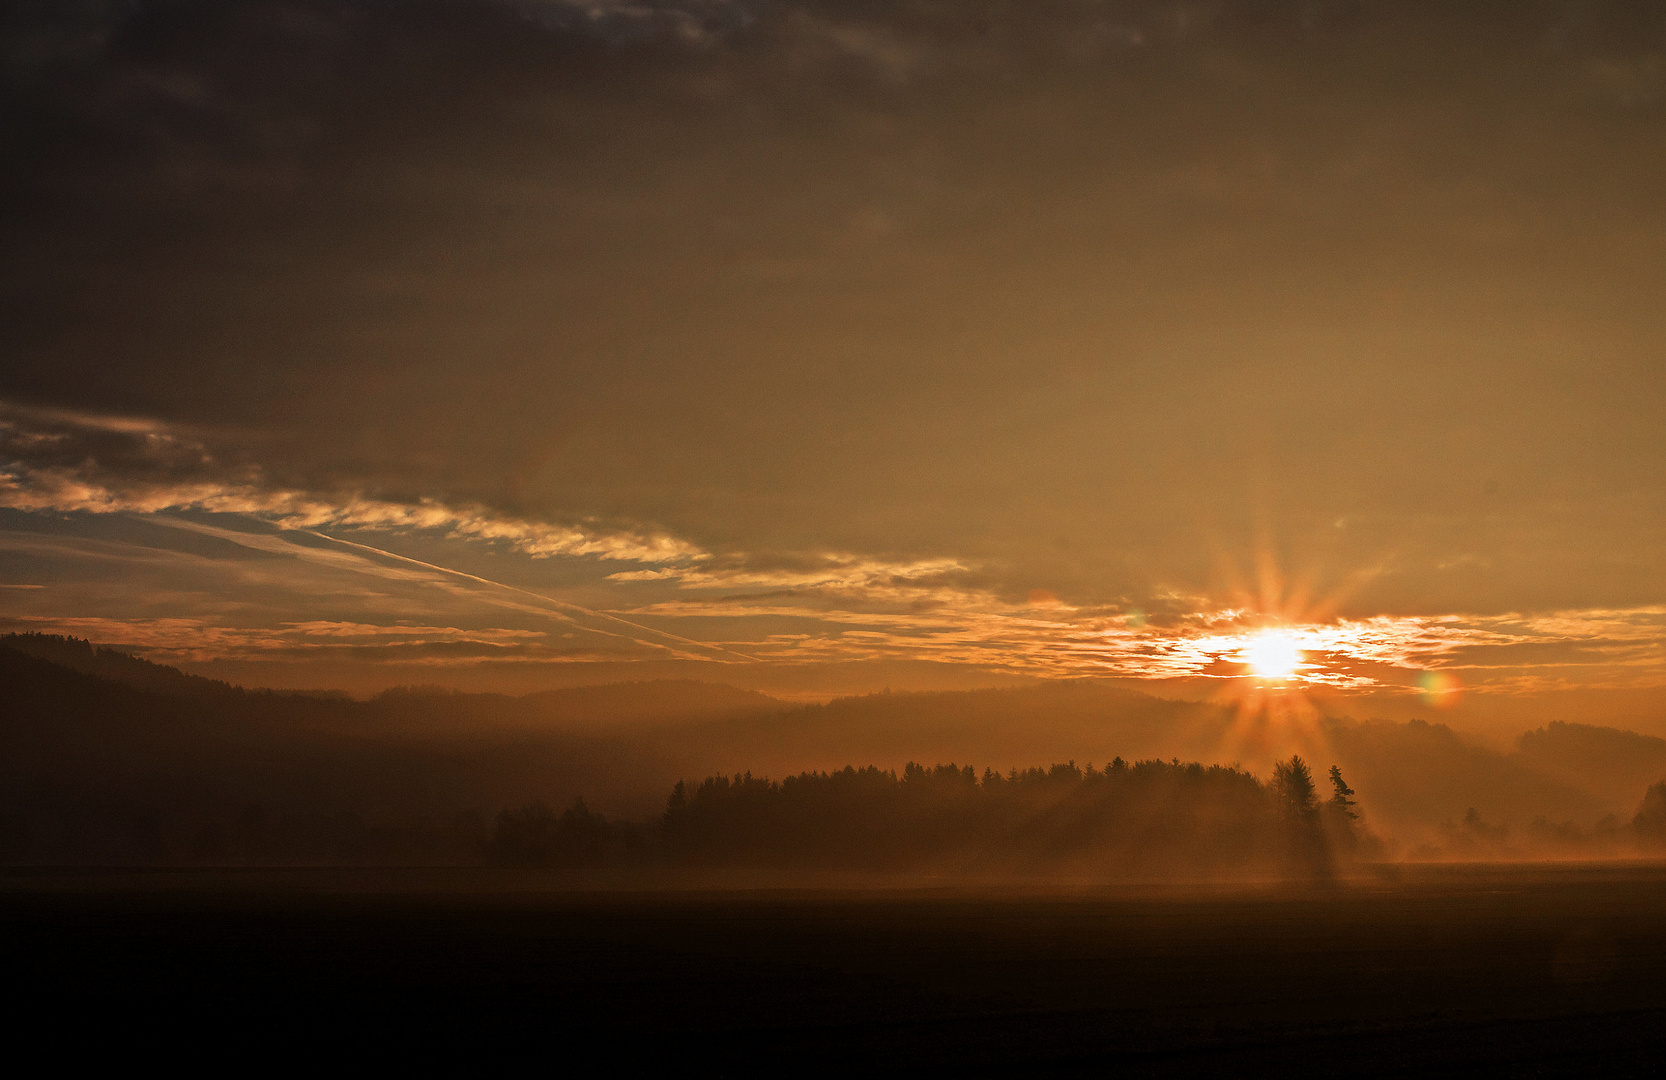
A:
x,y
92,739
652,703
81,655
638,703
1594,757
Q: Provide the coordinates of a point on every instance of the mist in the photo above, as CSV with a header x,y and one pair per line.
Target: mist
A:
x,y
118,760
891,536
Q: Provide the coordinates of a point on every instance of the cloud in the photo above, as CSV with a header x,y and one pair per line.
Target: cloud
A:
x,y
301,602
179,640
511,263
54,460
830,328
820,573
374,631
1511,652
201,574
691,22
798,606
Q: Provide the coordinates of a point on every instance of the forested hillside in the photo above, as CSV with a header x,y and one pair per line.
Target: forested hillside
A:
x,y
107,758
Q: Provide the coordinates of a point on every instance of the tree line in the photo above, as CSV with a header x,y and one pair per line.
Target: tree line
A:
x,y
1154,817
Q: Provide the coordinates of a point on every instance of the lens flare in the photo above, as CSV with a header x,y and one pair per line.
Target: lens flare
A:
x,y
1273,654
1440,689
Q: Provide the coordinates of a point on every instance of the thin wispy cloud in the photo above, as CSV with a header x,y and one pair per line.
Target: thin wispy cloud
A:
x,y
1610,648
63,462
691,22
790,607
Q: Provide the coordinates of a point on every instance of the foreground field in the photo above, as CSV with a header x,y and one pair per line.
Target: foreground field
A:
x,y
1534,971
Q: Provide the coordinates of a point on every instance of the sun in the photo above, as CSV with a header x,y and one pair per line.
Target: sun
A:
x,y
1272,654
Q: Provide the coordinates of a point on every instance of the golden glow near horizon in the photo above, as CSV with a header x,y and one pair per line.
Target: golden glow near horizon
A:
x,y
1273,654
833,429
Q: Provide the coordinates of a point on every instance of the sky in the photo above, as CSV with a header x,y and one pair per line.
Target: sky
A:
x,y
821,347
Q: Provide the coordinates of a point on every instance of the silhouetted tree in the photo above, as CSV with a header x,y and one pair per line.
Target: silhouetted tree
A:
x,y
1293,789
1298,805
677,803
1343,797
1650,822
583,836
1341,825
1151,816
1475,834
534,835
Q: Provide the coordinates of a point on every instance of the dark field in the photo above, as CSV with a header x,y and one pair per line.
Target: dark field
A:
x,y
1527,971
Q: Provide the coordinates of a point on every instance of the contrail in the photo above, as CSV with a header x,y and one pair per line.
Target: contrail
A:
x,y
562,606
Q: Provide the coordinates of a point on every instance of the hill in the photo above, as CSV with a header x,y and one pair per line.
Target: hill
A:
x,y
1416,777
92,769
1599,759
615,707
1082,720
112,664
103,754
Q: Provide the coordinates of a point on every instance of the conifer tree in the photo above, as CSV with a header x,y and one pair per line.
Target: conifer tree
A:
x,y
1293,787
1343,799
